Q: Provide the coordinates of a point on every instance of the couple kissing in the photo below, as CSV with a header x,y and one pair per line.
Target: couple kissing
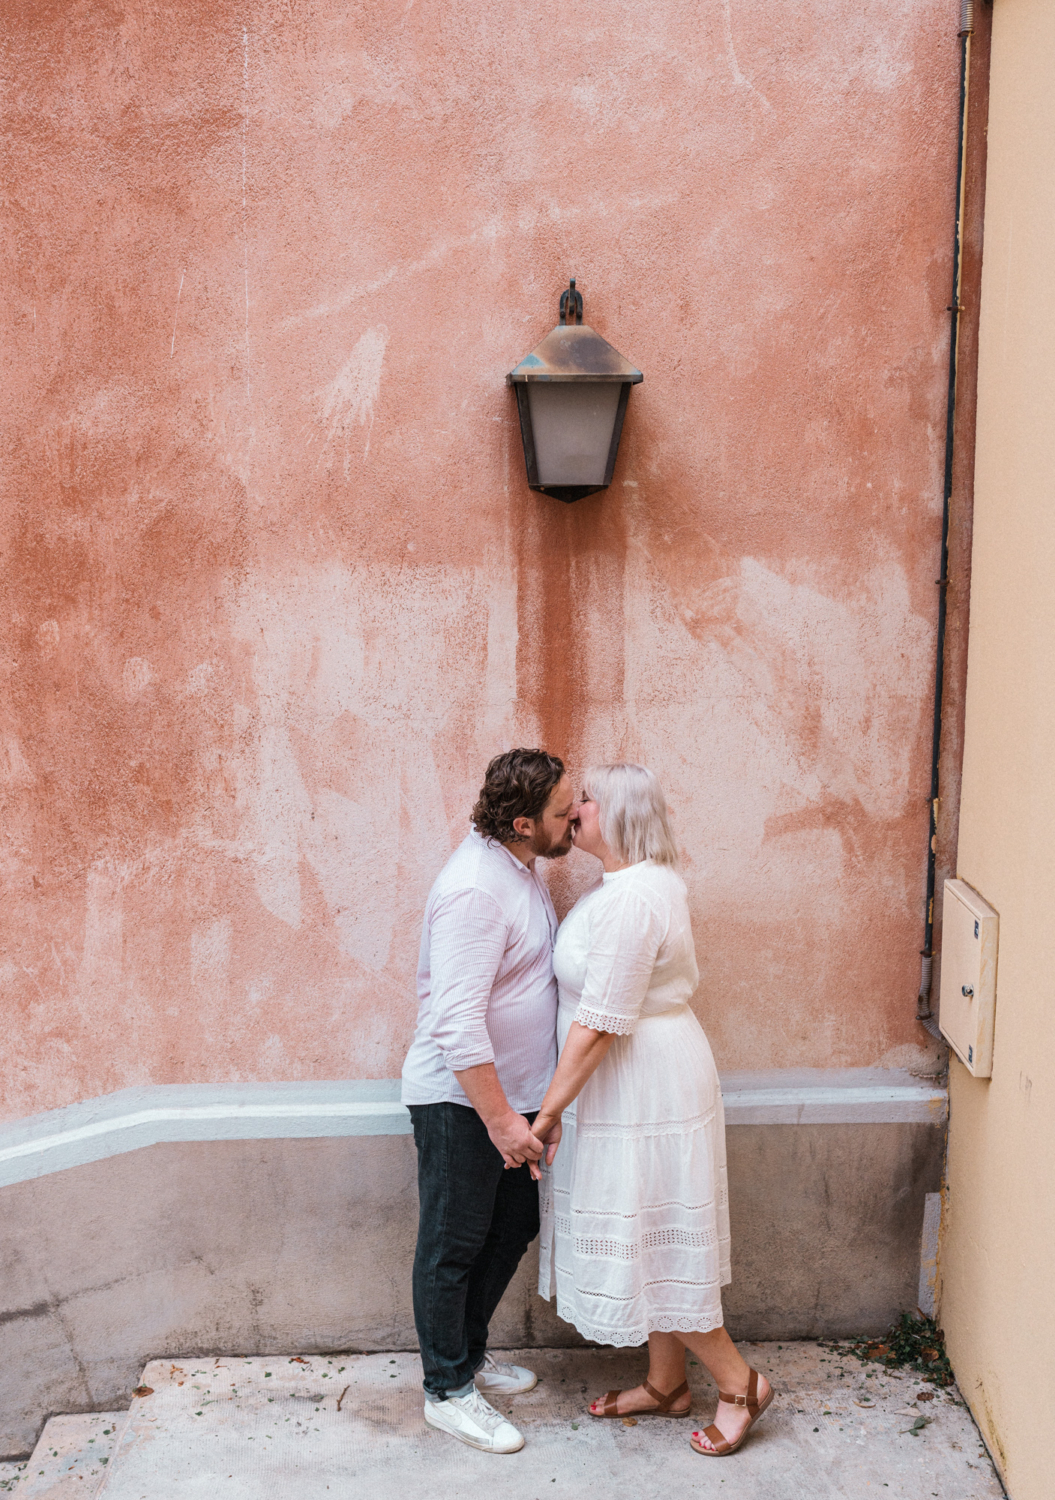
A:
x,y
560,1085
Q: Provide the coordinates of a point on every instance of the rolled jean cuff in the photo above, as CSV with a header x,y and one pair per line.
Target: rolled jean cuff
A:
x,y
462,1391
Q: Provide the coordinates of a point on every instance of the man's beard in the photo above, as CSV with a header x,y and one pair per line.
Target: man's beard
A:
x,y
554,848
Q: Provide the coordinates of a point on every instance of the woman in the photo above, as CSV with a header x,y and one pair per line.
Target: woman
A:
x,y
635,1221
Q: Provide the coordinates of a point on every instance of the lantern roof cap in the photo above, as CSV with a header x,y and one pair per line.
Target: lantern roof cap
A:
x,y
574,351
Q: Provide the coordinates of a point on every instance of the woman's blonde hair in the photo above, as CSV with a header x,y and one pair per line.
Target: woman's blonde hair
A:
x,y
635,823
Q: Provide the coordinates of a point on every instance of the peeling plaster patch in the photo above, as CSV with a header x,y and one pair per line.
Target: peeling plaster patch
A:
x,y
48,639
734,63
927,1061
199,679
358,673
14,768
279,806
102,958
137,676
260,990
500,681
795,714
274,1056
352,849
210,959
351,395
850,720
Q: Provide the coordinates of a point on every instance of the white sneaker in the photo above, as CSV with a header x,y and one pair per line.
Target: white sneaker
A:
x,y
473,1420
495,1379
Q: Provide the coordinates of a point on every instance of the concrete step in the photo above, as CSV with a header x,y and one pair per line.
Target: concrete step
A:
x,y
319,1427
69,1461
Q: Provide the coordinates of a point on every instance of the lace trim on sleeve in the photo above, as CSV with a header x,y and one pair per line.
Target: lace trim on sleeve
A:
x,y
599,1020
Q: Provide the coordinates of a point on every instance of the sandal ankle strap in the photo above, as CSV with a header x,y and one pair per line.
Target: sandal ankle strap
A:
x,y
748,1399
664,1402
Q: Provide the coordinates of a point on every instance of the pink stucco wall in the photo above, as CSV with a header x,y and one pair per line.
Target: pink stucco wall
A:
x,y
275,588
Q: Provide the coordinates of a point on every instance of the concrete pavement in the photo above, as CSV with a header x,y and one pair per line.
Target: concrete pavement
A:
x,y
243,1429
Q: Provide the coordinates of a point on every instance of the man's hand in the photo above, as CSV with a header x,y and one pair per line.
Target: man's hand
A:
x,y
548,1131
513,1137
510,1132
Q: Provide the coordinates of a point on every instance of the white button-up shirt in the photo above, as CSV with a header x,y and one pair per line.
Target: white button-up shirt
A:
x,y
486,991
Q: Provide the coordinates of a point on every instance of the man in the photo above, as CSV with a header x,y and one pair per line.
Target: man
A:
x,y
481,1060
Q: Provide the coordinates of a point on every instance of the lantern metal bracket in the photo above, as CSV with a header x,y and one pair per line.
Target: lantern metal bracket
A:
x,y
570,301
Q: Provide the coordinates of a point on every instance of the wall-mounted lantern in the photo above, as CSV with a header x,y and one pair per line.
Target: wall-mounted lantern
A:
x,y
572,391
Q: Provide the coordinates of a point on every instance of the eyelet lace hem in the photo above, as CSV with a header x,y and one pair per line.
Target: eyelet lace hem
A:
x,y
599,1020
623,1338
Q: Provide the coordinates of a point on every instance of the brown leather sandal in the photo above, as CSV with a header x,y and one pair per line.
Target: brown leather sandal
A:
x,y
662,1409
721,1444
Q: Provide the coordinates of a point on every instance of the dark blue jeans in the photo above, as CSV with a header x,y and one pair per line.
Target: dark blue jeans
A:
x,y
475,1222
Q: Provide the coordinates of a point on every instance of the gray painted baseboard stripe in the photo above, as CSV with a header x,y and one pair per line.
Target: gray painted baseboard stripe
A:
x,y
137,1117
832,1096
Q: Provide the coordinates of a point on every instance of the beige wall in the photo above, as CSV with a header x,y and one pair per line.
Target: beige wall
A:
x,y
998,1252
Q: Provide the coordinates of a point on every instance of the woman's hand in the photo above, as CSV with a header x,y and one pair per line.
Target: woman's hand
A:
x,y
548,1131
516,1140
584,1050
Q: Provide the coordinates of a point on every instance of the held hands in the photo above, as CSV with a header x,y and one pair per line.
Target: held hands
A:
x,y
548,1132
510,1133
512,1136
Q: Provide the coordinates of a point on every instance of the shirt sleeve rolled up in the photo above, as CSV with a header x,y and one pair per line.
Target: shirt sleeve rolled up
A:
x,y
467,937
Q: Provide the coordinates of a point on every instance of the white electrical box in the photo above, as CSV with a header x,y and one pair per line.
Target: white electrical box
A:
x,y
969,930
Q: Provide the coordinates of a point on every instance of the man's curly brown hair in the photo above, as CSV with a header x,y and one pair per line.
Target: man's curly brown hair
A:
x,y
517,784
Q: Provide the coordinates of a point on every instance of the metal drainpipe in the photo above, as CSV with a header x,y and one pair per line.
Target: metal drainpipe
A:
x,y
924,1013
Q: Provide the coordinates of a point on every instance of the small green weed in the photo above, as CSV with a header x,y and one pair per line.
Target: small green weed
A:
x,y
912,1343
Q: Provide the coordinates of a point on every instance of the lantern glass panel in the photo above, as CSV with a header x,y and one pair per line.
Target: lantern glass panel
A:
x,y
571,422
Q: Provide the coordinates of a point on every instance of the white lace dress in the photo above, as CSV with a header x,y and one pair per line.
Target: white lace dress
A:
x,y
635,1217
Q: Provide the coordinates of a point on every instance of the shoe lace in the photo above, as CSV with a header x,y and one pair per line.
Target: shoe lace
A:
x,y
480,1410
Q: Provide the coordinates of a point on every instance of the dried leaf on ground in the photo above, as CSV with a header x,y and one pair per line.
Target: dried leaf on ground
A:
x,y
915,1343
